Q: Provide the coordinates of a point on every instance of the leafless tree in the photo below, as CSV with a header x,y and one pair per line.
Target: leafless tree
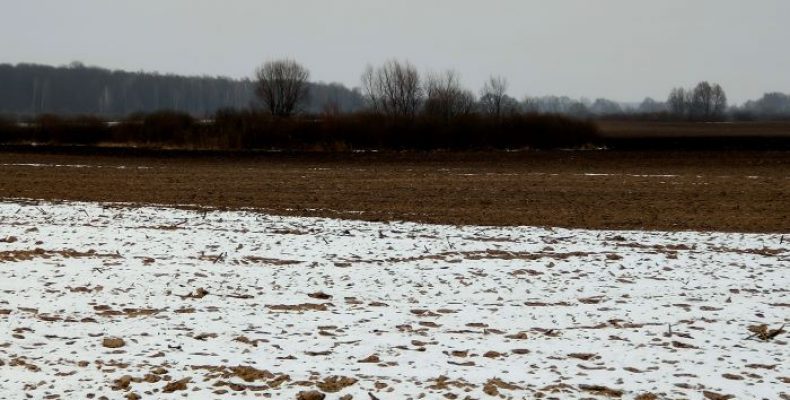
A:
x,y
282,85
493,96
718,100
677,102
605,107
650,106
702,101
393,89
445,97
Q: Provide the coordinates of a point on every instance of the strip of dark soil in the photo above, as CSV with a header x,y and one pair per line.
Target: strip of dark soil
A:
x,y
724,191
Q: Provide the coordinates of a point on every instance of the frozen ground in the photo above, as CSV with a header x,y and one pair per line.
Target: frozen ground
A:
x,y
241,304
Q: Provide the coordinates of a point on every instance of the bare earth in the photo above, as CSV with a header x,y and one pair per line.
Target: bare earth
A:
x,y
722,191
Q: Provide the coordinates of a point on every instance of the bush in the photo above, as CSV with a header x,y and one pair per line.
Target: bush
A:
x,y
247,130
82,130
9,132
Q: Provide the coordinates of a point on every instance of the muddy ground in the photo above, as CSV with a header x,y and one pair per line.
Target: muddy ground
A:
x,y
723,191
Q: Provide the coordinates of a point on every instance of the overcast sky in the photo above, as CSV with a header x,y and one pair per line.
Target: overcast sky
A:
x,y
620,49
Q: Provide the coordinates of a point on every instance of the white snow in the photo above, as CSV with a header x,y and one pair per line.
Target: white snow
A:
x,y
428,300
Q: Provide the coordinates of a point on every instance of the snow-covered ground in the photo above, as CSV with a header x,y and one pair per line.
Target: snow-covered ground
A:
x,y
213,304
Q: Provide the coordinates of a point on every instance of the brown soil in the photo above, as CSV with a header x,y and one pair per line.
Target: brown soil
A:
x,y
726,191
113,343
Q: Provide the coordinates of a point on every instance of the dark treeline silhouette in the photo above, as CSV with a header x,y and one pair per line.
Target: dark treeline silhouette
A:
x,y
705,102
396,108
772,106
247,130
402,111
29,90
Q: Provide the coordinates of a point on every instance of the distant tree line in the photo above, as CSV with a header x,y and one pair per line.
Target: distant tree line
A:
x,y
282,88
397,89
771,106
29,90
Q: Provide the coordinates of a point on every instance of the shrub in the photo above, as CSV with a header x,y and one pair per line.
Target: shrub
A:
x,y
247,130
53,129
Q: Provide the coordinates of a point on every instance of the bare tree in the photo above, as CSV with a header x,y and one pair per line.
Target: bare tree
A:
x,y
393,89
445,97
282,85
605,107
552,105
702,101
649,106
493,96
718,100
677,102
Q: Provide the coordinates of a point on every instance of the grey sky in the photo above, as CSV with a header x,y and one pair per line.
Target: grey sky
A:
x,y
621,49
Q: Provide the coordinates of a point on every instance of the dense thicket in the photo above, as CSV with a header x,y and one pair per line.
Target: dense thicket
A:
x,y
28,89
247,130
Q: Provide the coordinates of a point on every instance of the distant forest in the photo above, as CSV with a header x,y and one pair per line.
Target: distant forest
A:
x,y
29,90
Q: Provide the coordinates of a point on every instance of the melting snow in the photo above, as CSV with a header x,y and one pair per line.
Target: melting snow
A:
x,y
210,303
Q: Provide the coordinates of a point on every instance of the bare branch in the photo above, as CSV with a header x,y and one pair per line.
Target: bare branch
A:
x,y
282,85
393,89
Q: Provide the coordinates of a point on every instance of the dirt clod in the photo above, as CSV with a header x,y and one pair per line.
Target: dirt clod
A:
x,y
310,395
113,343
175,386
334,384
